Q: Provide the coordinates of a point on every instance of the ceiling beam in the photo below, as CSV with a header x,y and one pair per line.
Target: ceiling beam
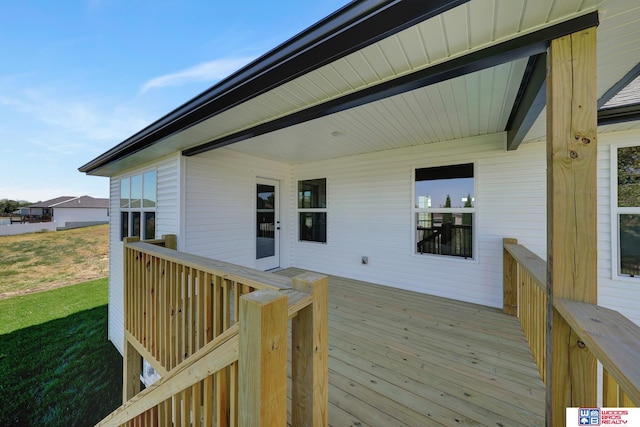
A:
x,y
353,27
530,101
526,45
625,113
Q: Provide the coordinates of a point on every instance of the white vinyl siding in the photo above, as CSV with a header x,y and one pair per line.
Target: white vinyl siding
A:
x,y
167,222
370,199
371,215
616,292
220,200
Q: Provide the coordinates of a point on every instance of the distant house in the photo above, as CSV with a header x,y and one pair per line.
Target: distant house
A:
x,y
68,211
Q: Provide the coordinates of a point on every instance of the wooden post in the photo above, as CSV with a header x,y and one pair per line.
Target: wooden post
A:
x,y
170,241
310,355
262,361
571,216
510,280
131,364
131,360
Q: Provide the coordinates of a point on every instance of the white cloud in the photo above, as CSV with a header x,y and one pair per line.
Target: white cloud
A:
x,y
207,71
78,122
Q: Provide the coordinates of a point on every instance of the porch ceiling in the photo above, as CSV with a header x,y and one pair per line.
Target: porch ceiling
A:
x,y
474,104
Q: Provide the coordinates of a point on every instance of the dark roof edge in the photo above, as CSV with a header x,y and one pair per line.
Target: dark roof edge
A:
x,y
621,84
354,26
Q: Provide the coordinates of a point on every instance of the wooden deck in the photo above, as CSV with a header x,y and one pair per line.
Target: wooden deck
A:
x,y
399,358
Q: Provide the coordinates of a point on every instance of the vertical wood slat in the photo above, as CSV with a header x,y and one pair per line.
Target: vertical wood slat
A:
x,y
175,310
571,216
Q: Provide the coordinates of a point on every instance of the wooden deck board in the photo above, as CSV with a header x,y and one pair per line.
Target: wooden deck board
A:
x,y
398,358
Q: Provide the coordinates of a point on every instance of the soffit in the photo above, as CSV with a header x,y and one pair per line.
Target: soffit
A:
x,y
618,52
467,28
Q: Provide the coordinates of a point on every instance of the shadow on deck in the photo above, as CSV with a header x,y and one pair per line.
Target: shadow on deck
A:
x,y
399,358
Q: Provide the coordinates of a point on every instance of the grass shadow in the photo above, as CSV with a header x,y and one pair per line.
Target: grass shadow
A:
x,y
60,373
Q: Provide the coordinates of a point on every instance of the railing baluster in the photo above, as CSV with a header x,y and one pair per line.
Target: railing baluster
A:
x,y
172,310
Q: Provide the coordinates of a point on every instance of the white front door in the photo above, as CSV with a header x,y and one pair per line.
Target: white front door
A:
x,y
267,224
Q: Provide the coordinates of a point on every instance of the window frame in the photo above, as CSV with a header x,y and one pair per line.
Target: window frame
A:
x,y
472,210
324,210
140,208
616,211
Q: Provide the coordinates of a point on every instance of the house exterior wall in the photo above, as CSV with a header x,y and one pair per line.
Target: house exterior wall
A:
x,y
209,202
220,203
62,216
618,293
369,213
167,222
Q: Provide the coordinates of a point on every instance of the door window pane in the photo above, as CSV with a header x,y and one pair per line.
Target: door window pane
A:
x,y
265,221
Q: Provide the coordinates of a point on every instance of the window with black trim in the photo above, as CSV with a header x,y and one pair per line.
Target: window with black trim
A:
x,y
627,209
312,210
444,210
138,201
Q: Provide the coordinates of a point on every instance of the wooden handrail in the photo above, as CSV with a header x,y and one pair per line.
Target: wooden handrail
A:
x,y
179,309
248,276
612,338
535,266
218,354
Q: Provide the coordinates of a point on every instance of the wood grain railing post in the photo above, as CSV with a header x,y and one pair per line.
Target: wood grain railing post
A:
x,y
510,280
131,361
571,216
310,354
130,371
170,241
262,360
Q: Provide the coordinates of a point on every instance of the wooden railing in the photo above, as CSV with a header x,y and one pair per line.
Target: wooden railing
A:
x,y
609,336
217,335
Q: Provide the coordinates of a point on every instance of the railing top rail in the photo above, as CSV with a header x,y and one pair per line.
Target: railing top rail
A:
x,y
245,275
612,338
532,263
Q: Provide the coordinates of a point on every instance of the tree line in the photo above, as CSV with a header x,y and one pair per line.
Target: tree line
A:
x,y
7,206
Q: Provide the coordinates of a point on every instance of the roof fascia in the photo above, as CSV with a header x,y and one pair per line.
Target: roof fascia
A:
x,y
353,27
530,101
526,45
625,113
621,84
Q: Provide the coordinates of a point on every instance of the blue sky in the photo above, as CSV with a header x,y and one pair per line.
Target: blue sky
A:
x,y
78,77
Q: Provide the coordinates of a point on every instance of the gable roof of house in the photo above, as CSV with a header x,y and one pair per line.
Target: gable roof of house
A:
x,y
51,202
72,202
425,71
84,202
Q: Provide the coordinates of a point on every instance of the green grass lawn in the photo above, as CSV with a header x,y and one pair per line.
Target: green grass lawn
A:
x,y
57,367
